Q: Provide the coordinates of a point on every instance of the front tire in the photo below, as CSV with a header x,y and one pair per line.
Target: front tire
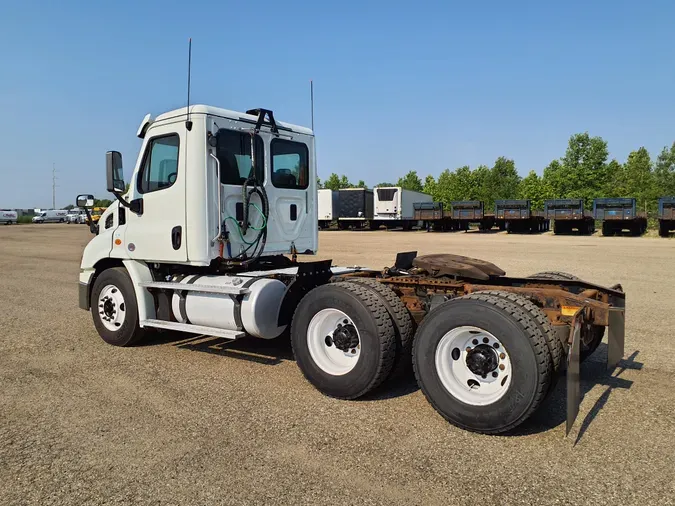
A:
x,y
114,308
482,363
343,339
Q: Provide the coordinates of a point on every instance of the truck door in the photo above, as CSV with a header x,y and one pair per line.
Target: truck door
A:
x,y
158,233
287,189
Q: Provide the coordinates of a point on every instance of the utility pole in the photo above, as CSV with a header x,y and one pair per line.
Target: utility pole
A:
x,y
53,185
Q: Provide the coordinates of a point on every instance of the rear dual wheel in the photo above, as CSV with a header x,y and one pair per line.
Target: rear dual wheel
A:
x,y
343,339
482,362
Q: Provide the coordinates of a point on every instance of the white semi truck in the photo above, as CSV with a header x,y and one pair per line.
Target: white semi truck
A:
x,y
207,239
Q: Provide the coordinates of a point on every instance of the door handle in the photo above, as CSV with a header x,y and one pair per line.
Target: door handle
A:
x,y
176,234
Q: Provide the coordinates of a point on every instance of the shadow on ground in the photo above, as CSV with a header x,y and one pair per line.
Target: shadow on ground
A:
x,y
553,412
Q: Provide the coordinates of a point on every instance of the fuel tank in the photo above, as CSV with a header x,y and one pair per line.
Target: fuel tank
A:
x,y
255,312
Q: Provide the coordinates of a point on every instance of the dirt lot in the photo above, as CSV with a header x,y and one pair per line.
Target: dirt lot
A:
x,y
198,421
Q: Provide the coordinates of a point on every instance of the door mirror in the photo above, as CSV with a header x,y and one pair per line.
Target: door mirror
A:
x,y
85,201
114,172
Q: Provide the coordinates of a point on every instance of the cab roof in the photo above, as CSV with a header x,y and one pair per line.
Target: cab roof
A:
x,y
215,111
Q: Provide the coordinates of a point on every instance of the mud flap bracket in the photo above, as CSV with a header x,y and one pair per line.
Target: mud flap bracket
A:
x,y
616,336
573,379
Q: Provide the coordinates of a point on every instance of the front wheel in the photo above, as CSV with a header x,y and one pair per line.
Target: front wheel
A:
x,y
114,308
343,339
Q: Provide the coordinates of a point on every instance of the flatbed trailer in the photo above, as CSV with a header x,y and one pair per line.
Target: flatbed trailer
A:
x,y
568,215
431,215
619,214
467,212
666,215
518,217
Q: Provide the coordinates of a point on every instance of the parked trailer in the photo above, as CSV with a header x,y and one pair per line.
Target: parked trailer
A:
x,y
466,212
430,214
8,217
568,215
356,208
328,207
619,214
394,207
487,348
666,215
518,216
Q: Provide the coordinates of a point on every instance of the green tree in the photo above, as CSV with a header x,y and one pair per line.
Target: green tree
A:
x,y
318,183
333,182
535,189
102,202
380,185
430,187
614,180
344,182
664,173
410,181
361,184
638,179
504,179
585,168
480,186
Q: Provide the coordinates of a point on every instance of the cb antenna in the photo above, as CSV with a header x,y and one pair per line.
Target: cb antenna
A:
x,y
311,100
188,123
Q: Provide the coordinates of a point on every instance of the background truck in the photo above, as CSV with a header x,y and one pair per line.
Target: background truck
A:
x,y
466,212
356,208
7,216
619,214
328,207
76,216
394,206
51,216
430,214
666,215
518,216
206,241
569,215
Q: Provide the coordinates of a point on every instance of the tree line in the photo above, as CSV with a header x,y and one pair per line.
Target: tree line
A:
x,y
585,172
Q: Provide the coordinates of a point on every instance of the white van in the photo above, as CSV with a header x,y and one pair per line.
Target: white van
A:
x,y
51,216
8,217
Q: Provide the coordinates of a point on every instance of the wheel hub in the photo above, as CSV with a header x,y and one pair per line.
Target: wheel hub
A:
x,y
345,337
109,308
482,360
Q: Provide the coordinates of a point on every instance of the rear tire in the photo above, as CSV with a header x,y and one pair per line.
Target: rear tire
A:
x,y
404,329
370,338
446,363
590,342
554,345
114,308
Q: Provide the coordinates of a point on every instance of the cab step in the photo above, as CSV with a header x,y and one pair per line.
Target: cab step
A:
x,y
193,329
168,285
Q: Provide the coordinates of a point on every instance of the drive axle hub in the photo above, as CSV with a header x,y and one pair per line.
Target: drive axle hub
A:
x,y
482,360
345,337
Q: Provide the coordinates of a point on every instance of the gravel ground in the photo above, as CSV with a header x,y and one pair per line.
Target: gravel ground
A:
x,y
184,420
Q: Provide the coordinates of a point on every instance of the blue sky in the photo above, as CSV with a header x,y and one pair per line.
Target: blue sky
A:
x,y
398,85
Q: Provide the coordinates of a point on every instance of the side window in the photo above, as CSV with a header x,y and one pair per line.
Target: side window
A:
x,y
290,164
160,166
234,154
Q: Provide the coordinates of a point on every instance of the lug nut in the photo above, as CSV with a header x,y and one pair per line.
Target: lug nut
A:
x,y
468,349
502,356
475,341
353,351
486,340
496,345
502,367
495,374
